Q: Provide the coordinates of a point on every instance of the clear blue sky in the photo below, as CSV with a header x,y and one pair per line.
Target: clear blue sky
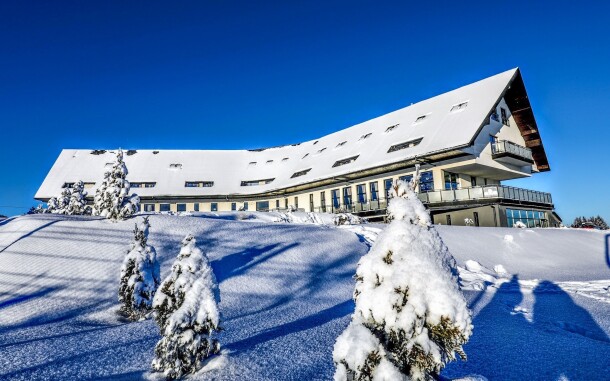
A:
x,y
222,74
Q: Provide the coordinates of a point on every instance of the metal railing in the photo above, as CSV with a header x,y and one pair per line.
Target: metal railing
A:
x,y
448,195
504,146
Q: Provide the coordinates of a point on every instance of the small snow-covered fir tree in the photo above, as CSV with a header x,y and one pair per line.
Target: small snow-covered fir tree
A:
x,y
77,203
59,204
411,317
112,199
139,275
186,310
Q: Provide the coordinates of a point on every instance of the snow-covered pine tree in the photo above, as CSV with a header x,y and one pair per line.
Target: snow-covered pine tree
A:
x,y
139,275
78,204
186,310
112,199
411,317
52,205
600,222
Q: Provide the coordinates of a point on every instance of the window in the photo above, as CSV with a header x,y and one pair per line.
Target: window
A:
x,y
252,163
339,163
321,150
335,197
181,207
473,182
406,178
459,106
391,128
71,185
504,116
409,144
250,183
149,207
531,218
316,142
307,154
196,207
475,216
175,166
285,159
323,201
143,185
286,203
300,173
233,206
448,219
214,207
347,197
311,202
421,118
451,181
374,191
365,136
277,204
361,192
164,207
341,144
426,181
296,202
198,184
269,161
387,185
245,206
262,206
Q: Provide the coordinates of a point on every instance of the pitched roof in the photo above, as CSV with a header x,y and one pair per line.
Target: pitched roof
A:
x,y
447,121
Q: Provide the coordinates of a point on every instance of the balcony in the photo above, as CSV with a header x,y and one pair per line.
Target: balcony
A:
x,y
464,195
511,153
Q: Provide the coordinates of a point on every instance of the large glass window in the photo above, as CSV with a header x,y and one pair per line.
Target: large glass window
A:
x,y
262,206
426,181
323,201
530,218
164,207
451,180
196,207
214,207
361,191
296,202
149,207
335,196
374,191
347,197
246,205
181,207
311,202
277,204
233,206
387,185
406,178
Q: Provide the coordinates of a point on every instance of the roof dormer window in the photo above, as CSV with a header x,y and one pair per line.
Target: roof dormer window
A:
x,y
348,160
341,144
175,166
459,106
421,118
300,173
409,144
391,128
365,136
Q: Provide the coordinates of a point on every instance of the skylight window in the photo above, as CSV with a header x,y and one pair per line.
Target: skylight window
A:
x,y
316,142
198,184
250,183
391,128
285,159
421,118
341,144
300,173
321,150
341,162
365,136
307,154
409,144
459,106
269,161
252,163
175,166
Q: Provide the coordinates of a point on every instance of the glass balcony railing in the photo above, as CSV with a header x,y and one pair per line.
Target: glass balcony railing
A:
x,y
506,147
450,195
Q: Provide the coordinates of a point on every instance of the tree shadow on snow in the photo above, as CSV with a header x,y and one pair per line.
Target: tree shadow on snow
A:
x,y
511,343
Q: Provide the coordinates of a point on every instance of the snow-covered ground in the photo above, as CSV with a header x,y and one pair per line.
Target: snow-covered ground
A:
x,y
540,298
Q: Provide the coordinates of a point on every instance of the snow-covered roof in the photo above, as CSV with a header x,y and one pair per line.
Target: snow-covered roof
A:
x,y
447,121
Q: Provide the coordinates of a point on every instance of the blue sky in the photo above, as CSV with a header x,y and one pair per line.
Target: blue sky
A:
x,y
230,75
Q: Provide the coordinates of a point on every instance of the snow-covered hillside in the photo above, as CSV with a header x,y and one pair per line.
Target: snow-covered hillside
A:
x,y
286,294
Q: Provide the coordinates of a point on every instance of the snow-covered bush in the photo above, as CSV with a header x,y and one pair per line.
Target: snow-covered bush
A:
x,y
112,199
139,275
519,225
77,203
348,219
468,221
411,317
186,310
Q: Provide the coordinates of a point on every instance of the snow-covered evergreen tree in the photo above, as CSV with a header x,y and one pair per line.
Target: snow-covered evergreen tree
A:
x,y
77,204
139,275
411,317
112,199
186,310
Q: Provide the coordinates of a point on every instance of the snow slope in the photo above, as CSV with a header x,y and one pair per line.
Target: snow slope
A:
x,y
286,293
